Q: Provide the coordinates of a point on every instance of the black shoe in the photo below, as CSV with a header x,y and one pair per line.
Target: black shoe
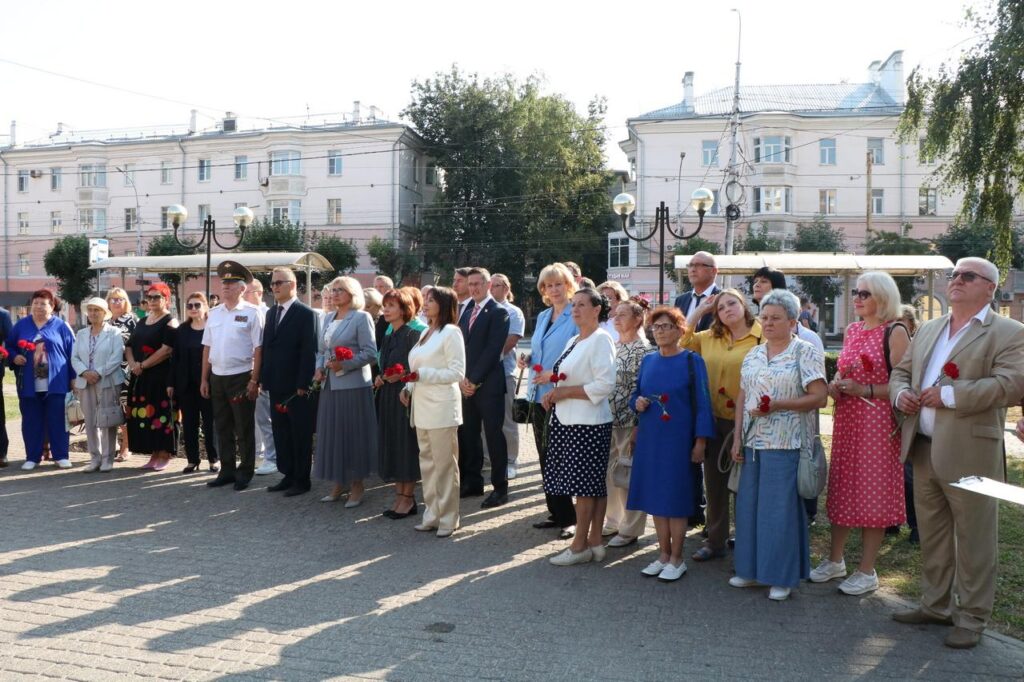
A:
x,y
547,523
567,533
214,467
241,485
394,516
294,490
471,492
731,542
283,485
221,480
191,468
495,499
3,461
892,530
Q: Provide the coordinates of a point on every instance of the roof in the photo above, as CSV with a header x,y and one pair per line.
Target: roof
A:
x,y
835,99
824,264
254,260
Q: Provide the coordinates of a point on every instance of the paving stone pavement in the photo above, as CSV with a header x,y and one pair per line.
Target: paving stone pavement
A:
x,y
154,575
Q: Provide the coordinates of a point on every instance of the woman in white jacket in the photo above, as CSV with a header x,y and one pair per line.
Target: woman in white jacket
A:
x,y
96,359
437,363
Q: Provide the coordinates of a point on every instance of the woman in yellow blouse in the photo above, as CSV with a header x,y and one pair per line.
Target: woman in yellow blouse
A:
x,y
733,332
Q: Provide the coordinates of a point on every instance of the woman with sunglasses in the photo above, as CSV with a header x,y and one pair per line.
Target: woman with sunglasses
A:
x,y
150,416
121,317
186,376
865,483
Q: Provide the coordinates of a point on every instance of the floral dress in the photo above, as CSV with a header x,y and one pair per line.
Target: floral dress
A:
x,y
865,482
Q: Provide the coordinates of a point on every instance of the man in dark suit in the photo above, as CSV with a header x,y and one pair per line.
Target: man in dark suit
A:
x,y
701,271
5,329
484,326
289,359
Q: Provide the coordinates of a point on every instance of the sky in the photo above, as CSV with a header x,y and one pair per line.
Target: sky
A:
x,y
278,61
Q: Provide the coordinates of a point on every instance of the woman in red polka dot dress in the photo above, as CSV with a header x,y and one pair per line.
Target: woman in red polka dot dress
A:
x,y
865,482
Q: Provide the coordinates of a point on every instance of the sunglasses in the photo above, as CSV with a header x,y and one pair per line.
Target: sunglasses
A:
x,y
966,276
862,294
154,297
280,282
194,306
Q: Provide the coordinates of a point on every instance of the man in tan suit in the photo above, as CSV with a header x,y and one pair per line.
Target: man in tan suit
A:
x,y
954,384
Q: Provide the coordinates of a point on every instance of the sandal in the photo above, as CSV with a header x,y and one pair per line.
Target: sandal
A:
x,y
705,553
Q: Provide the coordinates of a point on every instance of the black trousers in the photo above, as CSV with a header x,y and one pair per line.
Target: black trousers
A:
x,y
196,409
4,440
486,412
293,436
560,507
236,425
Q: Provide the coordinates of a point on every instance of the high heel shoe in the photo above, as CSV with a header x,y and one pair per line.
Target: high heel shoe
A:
x,y
191,468
413,510
334,496
150,464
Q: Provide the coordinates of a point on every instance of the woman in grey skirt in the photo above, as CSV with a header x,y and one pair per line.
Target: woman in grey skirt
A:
x,y
346,431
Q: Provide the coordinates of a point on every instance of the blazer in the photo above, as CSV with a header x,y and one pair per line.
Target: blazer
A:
x,y
289,350
484,342
550,339
441,364
683,303
356,333
186,359
591,364
106,358
967,440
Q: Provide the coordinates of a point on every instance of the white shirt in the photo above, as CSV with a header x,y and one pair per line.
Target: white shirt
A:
x,y
462,308
694,303
517,327
233,336
805,334
285,306
940,354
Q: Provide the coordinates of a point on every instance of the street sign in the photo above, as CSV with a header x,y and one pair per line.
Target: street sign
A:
x,y
142,282
99,249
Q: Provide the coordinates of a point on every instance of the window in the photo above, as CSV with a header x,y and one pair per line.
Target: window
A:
x,y
165,173
92,219
827,152
241,167
129,174
772,199
56,179
285,211
285,163
129,219
927,201
334,162
876,145
56,222
204,170
23,181
772,149
241,204
717,206
431,174
618,252
23,266
923,156
827,201
204,213
877,201
130,254
92,175
164,221
334,211
709,153
23,223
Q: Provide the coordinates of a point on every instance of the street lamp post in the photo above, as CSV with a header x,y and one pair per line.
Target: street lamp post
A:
x,y
178,214
624,205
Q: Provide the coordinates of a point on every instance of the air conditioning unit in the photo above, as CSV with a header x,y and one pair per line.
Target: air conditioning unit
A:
x,y
1006,296
35,174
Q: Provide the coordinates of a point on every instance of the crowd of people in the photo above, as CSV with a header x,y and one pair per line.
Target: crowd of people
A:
x,y
636,410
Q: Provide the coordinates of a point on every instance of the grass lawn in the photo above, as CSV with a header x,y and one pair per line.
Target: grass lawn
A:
x,y
899,562
10,397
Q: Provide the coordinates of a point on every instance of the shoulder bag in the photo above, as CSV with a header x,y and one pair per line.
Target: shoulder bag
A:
x,y
812,470
73,410
520,406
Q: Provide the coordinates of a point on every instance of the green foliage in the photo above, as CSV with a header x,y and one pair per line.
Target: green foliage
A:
x,y
390,261
963,240
342,254
819,236
972,115
756,240
167,245
895,244
524,183
831,366
264,235
68,262
689,247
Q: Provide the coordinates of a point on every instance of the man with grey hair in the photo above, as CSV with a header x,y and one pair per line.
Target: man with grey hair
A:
x,y
953,385
383,284
701,272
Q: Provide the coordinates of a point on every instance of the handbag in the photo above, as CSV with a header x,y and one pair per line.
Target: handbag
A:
x,y
622,468
812,469
73,410
108,416
520,406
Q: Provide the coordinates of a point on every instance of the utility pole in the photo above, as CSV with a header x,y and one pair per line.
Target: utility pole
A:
x,y
730,223
867,214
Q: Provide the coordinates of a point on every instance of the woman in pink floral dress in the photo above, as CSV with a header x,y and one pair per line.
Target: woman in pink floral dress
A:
x,y
865,483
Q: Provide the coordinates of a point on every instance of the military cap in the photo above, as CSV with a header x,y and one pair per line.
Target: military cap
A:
x,y
232,271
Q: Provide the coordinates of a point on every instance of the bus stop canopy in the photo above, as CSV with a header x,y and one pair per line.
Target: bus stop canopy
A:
x,y
824,264
196,262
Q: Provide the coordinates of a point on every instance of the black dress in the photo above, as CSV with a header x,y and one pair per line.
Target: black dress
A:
x,y
150,418
186,375
398,455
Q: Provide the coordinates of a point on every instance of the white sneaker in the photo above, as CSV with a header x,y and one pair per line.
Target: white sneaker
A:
x,y
670,572
569,557
599,552
92,466
621,541
266,468
107,465
737,581
653,569
779,593
64,463
828,570
859,583
511,472
29,465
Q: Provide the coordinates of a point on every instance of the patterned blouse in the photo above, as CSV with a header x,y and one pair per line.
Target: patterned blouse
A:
x,y
784,377
627,366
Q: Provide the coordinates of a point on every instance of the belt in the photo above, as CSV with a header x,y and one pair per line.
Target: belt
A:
x,y
924,437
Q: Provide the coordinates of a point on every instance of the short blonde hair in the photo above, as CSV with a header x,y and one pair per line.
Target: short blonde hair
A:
x,y
354,289
373,298
120,293
556,271
620,291
885,292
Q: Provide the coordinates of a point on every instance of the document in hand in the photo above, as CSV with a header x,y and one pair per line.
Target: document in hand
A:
x,y
987,486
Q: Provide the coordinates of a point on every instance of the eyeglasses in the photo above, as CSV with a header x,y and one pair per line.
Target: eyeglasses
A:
x,y
115,300
663,327
194,306
862,294
154,297
279,282
966,275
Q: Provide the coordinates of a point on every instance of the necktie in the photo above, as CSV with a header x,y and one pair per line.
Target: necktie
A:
x,y
472,316
280,314
696,300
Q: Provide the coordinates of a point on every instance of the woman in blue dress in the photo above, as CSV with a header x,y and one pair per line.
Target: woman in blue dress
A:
x,y
675,421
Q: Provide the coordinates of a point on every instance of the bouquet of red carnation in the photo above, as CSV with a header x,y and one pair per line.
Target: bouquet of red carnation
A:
x,y
395,370
343,353
26,346
764,405
729,402
148,350
411,377
661,400
556,377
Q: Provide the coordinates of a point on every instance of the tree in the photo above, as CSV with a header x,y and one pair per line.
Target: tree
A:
x,y
264,235
972,115
757,239
524,183
895,244
342,254
962,240
389,260
819,236
687,248
167,245
68,262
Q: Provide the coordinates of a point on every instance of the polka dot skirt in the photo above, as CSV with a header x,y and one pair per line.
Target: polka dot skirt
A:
x,y
577,458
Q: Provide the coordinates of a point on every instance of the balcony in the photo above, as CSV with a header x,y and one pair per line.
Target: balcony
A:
x,y
285,186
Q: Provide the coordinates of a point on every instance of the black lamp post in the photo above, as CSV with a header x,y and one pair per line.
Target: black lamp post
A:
x,y
178,214
701,201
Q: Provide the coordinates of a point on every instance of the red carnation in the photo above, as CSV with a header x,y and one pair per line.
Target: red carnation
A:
x,y
411,376
343,353
721,390
866,363
555,378
765,405
395,370
665,417
538,368
663,398
148,350
26,346
951,370
3,353
730,404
